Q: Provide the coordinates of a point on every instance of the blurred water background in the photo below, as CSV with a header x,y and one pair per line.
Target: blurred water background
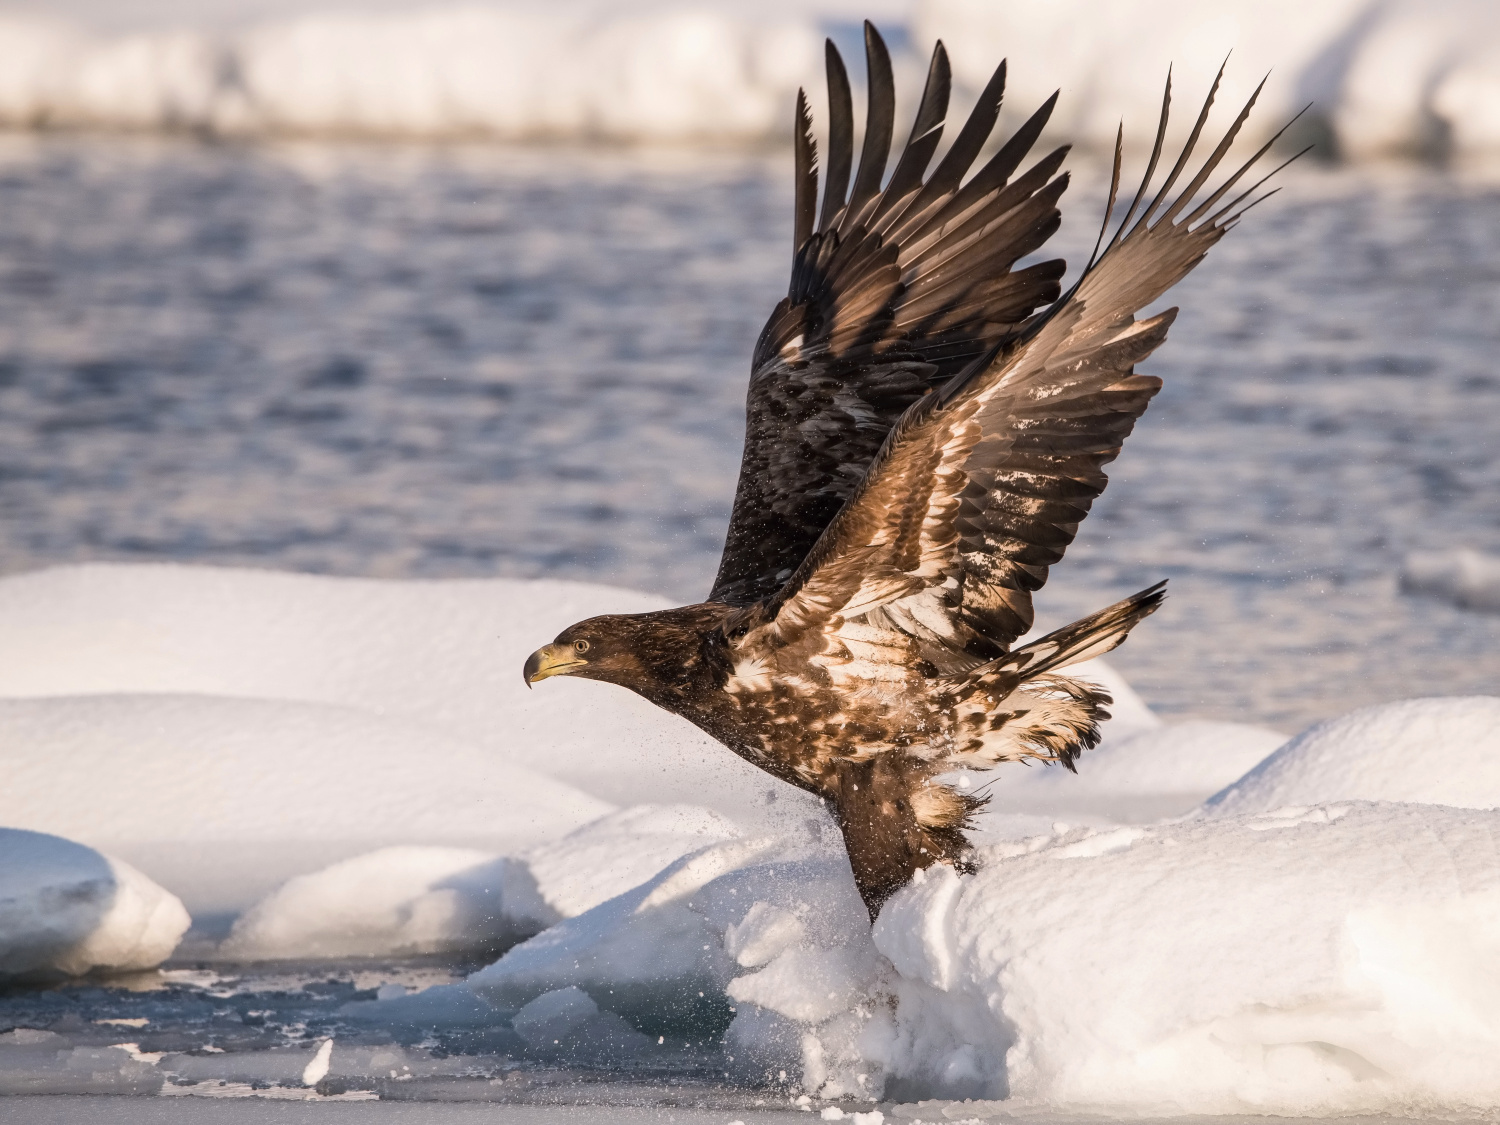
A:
x,y
230,334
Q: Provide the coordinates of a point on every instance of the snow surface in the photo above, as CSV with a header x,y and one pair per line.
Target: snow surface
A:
x,y
261,789
284,722
396,901
67,910
1340,958
1437,751
1465,577
1302,942
1144,775
1403,76
1332,957
409,900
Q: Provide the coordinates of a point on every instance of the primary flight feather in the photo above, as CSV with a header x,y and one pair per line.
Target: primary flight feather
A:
x,y
926,425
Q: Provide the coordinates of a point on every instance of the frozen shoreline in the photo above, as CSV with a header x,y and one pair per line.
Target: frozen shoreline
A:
x,y
1405,78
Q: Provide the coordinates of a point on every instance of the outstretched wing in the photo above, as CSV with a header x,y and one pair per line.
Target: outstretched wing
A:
x,y
893,293
981,486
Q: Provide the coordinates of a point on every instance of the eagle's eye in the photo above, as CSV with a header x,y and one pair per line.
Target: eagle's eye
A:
x,y
580,646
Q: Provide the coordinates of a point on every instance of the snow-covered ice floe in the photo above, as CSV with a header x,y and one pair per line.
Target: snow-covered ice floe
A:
x,y
1317,930
1467,578
1403,76
1338,955
67,910
422,900
280,723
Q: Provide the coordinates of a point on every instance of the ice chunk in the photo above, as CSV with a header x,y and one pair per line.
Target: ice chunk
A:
x,y
764,932
395,901
1466,578
554,1015
651,954
441,1006
66,910
1442,751
1345,964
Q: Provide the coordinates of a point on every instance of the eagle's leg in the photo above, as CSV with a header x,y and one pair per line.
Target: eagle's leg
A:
x,y
896,821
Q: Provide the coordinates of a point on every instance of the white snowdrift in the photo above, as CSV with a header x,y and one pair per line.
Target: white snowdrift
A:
x,y
391,902
221,799
619,852
1399,77
67,910
1334,957
1136,778
508,70
1344,958
1438,751
415,900
443,655
1466,578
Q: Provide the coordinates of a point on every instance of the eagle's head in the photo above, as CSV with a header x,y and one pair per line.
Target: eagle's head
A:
x,y
645,652
601,648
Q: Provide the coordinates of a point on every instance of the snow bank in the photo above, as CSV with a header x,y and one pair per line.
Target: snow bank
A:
x,y
66,910
1335,957
1466,578
1331,960
261,789
1402,76
1142,776
445,656
413,900
508,70
1328,960
619,852
285,722
1399,77
393,902
1437,751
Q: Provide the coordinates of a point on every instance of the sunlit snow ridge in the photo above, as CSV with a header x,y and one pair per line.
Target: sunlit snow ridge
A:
x,y
1404,77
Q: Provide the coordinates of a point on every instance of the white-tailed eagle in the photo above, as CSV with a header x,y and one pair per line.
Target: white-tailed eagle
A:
x,y
927,423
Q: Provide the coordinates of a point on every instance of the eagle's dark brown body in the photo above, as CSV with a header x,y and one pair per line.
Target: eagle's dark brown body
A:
x,y
926,427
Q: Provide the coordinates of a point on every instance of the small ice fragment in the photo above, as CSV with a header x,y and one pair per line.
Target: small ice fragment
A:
x,y
317,1070
832,1113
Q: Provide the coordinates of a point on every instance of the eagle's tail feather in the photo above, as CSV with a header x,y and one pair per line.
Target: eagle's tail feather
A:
x,y
1088,637
1018,707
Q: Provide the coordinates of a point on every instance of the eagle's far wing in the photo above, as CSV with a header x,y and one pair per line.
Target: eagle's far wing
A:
x,y
893,293
981,486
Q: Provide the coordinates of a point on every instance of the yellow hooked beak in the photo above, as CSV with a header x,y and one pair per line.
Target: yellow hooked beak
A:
x,y
551,660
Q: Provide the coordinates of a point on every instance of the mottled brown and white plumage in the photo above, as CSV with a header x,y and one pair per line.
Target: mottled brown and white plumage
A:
x,y
927,424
